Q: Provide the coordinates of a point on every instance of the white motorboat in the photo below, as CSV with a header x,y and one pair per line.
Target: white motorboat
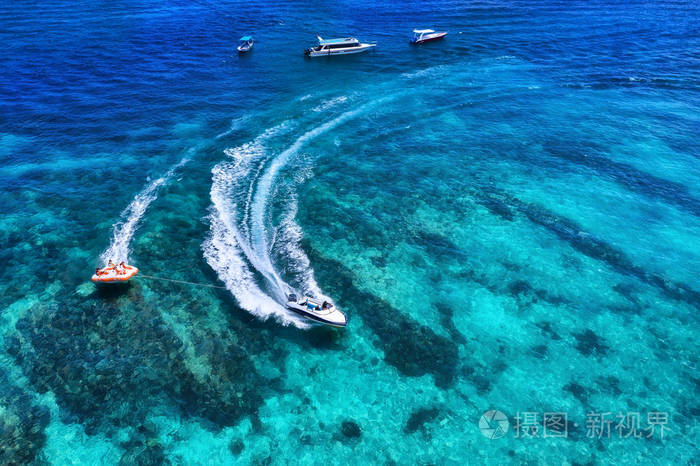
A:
x,y
344,46
245,45
421,36
319,311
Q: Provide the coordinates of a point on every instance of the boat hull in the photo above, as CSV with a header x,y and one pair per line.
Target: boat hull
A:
x,y
347,51
431,38
334,318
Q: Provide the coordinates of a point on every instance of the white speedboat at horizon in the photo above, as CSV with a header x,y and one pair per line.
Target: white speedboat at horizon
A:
x,y
421,36
344,46
318,311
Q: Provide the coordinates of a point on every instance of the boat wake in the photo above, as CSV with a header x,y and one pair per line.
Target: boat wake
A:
x,y
124,230
287,246
330,103
227,249
243,242
236,124
426,72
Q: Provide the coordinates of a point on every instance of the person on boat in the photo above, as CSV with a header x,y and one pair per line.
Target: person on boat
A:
x,y
325,305
98,272
111,264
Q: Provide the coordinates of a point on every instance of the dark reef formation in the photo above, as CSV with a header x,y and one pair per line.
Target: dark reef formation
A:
x,y
419,418
481,375
110,360
350,429
579,392
588,342
586,243
236,447
626,175
547,330
143,449
22,424
447,321
412,348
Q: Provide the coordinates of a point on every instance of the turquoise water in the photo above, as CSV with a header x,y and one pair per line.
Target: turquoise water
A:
x,y
509,218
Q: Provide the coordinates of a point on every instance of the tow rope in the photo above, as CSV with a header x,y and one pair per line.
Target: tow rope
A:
x,y
179,281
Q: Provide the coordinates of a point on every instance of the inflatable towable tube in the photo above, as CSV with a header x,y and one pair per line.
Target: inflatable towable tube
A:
x,y
115,274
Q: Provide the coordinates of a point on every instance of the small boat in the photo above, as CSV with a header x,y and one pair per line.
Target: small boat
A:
x,y
420,36
245,45
319,311
343,46
115,274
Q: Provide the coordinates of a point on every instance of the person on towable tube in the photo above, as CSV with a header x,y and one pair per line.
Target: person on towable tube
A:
x,y
114,273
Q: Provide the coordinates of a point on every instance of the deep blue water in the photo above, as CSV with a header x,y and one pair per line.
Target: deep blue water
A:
x,y
509,218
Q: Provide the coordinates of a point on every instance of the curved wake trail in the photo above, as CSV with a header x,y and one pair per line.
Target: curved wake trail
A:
x,y
289,235
235,125
330,103
259,240
227,247
124,230
238,248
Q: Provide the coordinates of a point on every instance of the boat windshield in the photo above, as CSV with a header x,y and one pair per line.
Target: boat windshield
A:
x,y
419,33
343,46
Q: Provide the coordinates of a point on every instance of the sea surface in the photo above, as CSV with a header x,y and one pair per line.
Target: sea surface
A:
x,y
510,219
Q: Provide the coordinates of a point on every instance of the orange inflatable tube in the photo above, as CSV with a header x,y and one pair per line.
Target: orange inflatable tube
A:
x,y
115,274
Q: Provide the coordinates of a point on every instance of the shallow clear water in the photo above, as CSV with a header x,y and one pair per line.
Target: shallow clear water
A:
x,y
509,218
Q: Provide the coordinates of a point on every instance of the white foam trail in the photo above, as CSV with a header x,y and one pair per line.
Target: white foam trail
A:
x,y
222,253
249,199
258,208
237,248
326,104
227,245
289,236
124,230
425,72
236,124
227,177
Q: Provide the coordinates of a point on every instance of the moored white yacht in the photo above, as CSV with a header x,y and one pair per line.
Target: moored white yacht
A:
x,y
323,312
344,46
420,36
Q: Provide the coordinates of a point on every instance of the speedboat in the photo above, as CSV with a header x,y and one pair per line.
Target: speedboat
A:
x,y
343,46
421,36
115,274
245,45
319,311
